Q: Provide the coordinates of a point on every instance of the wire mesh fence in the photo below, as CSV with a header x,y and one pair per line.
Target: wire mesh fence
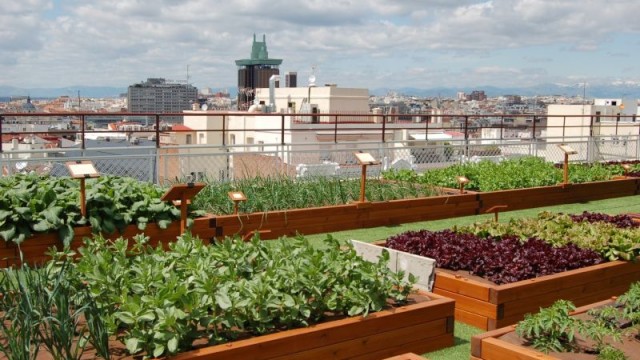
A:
x,y
224,163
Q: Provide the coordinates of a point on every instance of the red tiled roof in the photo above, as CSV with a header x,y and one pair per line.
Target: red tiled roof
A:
x,y
180,127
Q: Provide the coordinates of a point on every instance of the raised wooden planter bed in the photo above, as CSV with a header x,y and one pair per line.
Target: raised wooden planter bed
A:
x,y
421,327
274,224
489,306
344,217
34,248
489,346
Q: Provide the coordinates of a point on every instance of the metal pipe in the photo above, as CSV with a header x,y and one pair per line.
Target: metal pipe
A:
x,y
272,92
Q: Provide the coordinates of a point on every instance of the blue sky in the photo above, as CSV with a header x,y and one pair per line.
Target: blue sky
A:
x,y
354,43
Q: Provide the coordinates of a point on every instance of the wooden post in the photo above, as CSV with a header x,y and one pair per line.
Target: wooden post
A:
x,y
568,150
566,169
82,170
183,211
462,181
236,197
182,193
83,198
363,181
364,159
495,210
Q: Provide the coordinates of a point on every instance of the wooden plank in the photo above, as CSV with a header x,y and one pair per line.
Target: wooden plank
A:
x,y
380,342
469,318
476,340
407,356
599,287
584,300
422,346
462,285
495,349
550,283
469,304
292,341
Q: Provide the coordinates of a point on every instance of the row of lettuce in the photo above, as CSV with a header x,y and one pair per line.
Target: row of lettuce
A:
x,y
522,172
37,204
525,248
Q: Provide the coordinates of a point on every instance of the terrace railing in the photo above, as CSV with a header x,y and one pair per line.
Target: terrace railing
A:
x,y
301,146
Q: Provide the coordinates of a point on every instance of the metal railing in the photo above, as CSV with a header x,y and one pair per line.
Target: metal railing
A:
x,y
328,149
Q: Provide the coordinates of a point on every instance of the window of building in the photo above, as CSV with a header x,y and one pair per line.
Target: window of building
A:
x,y
188,139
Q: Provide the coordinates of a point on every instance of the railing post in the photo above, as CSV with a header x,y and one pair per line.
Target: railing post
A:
x,y
1,121
384,126
533,133
426,129
466,135
501,126
282,130
82,129
335,130
224,130
157,131
1,150
638,144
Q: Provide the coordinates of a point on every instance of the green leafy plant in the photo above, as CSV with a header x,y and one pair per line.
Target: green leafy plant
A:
x,y
609,352
554,329
284,193
37,204
523,172
158,302
611,242
551,329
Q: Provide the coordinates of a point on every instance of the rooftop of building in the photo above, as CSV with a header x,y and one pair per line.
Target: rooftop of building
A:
x,y
259,54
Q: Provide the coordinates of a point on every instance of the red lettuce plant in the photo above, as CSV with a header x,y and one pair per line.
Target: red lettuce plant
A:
x,y
501,261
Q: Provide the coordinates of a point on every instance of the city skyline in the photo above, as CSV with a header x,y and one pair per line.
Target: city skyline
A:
x,y
371,44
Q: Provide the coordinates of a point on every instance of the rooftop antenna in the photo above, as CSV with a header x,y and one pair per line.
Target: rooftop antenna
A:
x,y
187,73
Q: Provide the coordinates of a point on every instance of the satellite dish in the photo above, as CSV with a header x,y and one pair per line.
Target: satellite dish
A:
x,y
21,165
312,80
204,107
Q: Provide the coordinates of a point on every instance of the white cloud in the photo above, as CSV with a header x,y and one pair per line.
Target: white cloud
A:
x,y
119,42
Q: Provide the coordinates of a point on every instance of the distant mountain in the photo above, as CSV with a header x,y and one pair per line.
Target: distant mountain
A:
x,y
85,91
628,90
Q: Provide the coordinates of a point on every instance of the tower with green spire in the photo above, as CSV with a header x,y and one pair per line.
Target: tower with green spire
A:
x,y
255,72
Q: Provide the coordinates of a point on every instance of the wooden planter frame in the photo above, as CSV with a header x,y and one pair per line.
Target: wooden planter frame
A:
x,y
34,248
420,327
274,224
489,306
489,346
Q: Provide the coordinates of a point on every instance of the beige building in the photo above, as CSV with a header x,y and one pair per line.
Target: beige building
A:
x,y
304,120
605,117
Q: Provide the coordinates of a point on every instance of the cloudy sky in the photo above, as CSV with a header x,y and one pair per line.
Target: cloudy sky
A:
x,y
354,43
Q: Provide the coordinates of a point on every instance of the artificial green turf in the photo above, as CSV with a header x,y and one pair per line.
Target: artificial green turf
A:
x,y
462,344
629,204
463,332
